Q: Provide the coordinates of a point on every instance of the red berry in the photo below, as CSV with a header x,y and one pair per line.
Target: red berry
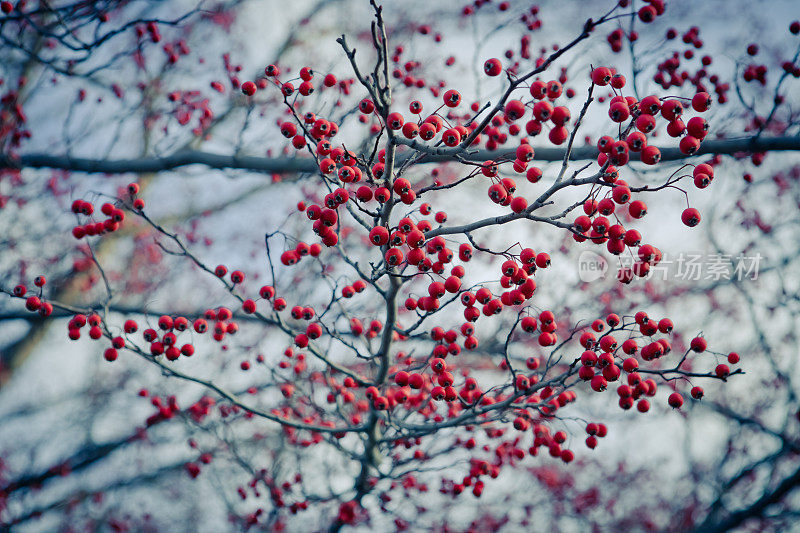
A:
x,y
675,400
249,88
492,67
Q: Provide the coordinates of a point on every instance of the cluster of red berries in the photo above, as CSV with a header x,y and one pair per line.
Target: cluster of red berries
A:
x,y
553,443
406,72
305,88
646,14
722,371
175,50
411,237
599,229
192,103
520,287
193,468
151,30
198,411
755,72
357,328
348,291
615,39
313,330
13,116
115,215
644,114
236,276
668,75
299,360
34,303
530,18
616,153
636,389
325,224
267,292
319,129
166,408
420,391
109,225
166,342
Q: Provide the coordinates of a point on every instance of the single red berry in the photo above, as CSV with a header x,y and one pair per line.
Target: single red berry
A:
x,y
690,217
492,67
110,354
249,88
698,344
675,400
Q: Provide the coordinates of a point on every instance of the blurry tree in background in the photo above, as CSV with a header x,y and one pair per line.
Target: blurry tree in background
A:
x,y
423,266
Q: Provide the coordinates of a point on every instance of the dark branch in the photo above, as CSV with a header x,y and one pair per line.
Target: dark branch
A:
x,y
434,155
757,509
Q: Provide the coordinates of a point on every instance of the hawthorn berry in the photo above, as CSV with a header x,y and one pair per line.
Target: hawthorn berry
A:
x,y
698,344
675,400
249,88
601,76
492,67
690,217
32,303
395,121
452,98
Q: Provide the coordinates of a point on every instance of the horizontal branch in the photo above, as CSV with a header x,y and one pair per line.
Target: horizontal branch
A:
x,y
297,164
146,165
78,461
138,479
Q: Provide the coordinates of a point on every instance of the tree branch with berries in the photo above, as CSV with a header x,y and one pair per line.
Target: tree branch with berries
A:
x,y
398,313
